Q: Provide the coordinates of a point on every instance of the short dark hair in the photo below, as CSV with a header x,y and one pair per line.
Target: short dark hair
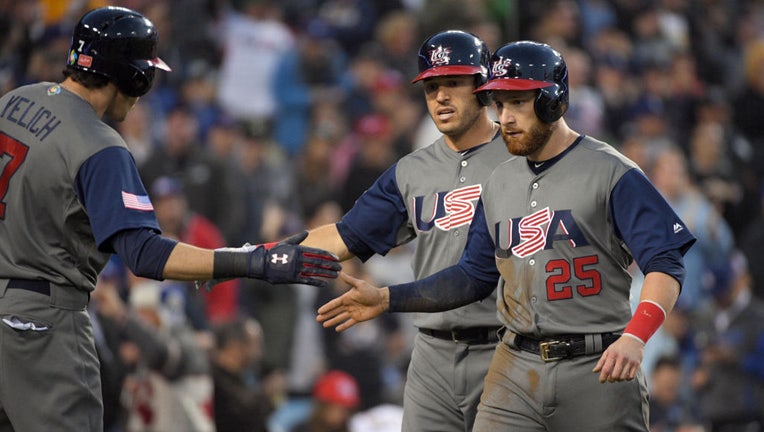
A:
x,y
87,79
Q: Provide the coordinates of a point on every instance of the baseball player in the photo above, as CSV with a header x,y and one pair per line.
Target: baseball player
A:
x,y
558,224
430,194
70,196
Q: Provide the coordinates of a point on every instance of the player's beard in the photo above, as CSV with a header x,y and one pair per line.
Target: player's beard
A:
x,y
529,142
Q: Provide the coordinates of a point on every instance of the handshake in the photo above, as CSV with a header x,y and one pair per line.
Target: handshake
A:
x,y
278,263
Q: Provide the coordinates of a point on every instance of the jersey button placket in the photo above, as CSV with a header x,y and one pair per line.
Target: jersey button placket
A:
x,y
462,178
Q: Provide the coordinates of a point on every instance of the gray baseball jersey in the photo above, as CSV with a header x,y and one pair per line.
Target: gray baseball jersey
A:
x,y
52,162
563,259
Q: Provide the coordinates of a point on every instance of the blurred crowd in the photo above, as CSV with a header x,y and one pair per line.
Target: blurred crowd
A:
x,y
279,114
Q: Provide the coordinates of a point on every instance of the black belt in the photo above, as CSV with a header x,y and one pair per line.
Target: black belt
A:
x,y
38,286
565,346
470,336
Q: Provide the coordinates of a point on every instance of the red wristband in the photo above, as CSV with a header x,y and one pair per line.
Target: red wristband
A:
x,y
646,320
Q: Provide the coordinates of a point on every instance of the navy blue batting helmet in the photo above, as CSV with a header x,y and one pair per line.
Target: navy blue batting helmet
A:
x,y
118,43
455,52
528,65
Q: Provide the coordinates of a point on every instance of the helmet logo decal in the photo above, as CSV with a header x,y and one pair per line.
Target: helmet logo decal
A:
x,y
84,60
440,56
500,67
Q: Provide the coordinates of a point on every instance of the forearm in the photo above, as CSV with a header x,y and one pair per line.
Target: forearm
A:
x,y
661,289
328,238
445,290
188,262
659,294
150,255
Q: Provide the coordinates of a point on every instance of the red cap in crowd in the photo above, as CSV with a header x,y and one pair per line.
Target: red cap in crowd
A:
x,y
337,387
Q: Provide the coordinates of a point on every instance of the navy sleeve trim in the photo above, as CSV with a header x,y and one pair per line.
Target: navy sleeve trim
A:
x,y
645,221
375,222
354,244
103,182
670,263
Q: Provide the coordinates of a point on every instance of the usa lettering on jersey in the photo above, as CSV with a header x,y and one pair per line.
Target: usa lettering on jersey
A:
x,y
451,209
530,234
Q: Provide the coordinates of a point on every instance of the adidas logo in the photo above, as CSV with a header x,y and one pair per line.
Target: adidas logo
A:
x,y
677,227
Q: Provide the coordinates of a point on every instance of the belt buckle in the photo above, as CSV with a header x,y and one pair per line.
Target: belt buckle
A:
x,y
454,338
544,350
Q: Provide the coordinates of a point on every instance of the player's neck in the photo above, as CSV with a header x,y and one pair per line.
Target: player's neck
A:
x,y
98,98
482,132
562,137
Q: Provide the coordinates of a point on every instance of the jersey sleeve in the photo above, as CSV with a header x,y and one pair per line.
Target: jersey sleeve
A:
x,y
479,259
374,224
111,191
645,221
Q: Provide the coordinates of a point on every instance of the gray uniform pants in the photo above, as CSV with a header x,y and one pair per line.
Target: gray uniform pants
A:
x,y
49,369
524,393
443,384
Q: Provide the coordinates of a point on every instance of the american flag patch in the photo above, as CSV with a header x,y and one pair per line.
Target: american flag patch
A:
x,y
136,202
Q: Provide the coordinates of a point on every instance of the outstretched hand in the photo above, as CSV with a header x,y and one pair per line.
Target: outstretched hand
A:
x,y
278,263
290,262
361,302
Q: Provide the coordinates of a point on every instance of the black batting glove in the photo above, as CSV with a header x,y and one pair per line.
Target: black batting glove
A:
x,y
278,263
288,262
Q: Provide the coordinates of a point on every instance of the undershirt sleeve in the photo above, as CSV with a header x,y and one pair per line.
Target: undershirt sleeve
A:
x,y
445,290
143,251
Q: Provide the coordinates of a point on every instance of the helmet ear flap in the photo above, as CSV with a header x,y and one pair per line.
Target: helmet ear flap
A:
x,y
484,98
135,81
551,103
